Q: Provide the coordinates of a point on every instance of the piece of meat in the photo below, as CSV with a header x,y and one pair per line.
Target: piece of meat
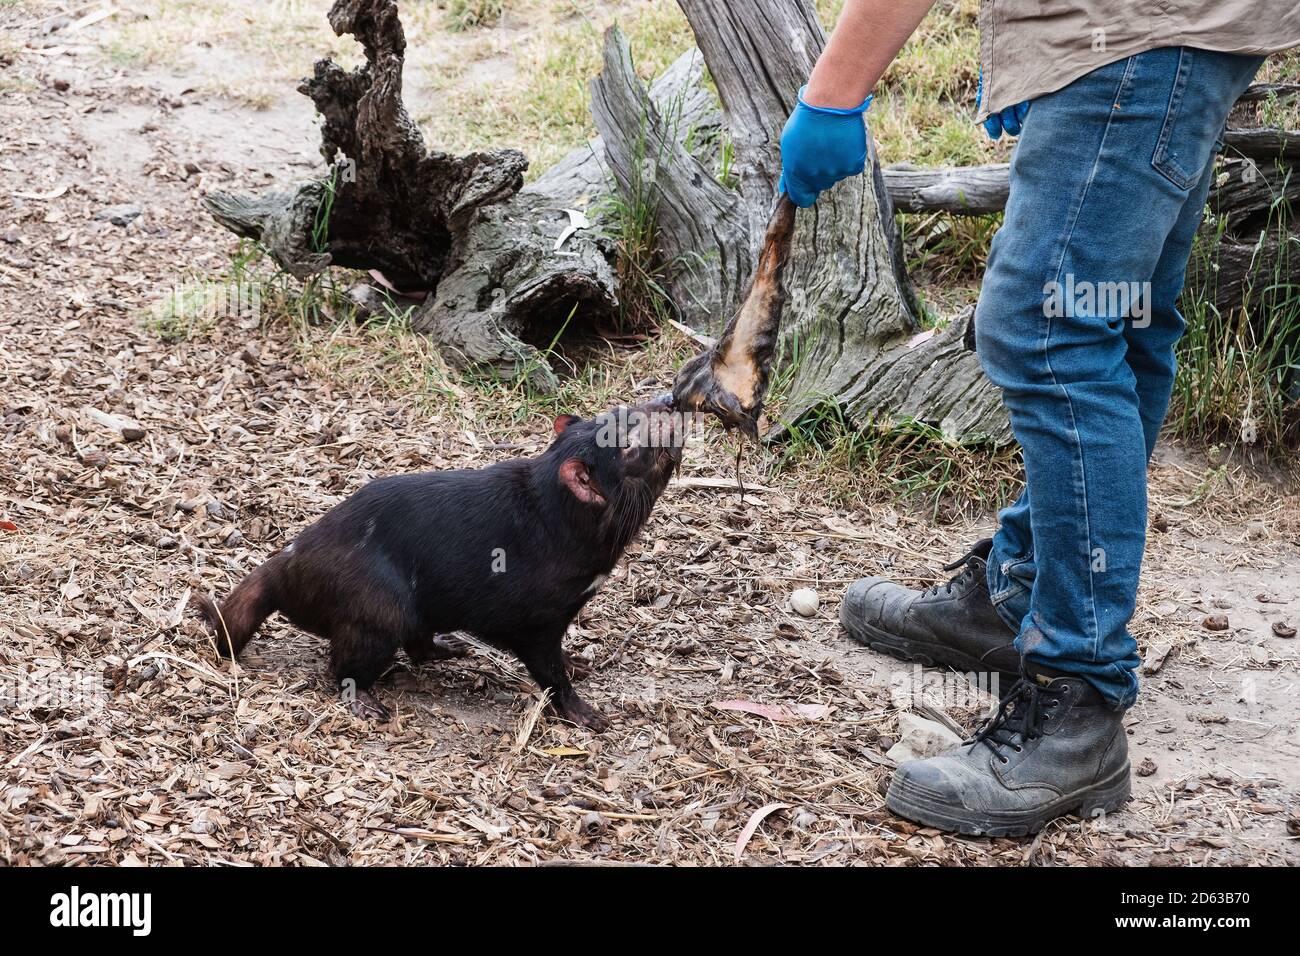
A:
x,y
730,379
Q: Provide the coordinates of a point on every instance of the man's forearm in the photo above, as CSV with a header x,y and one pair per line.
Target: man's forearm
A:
x,y
866,39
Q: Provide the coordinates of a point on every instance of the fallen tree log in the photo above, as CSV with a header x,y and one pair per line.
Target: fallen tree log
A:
x,y
1245,203
502,266
980,190
961,190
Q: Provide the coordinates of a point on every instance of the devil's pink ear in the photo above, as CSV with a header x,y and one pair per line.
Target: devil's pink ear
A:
x,y
577,478
564,421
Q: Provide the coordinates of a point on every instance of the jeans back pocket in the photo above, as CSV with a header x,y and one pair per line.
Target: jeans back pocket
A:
x,y
1205,86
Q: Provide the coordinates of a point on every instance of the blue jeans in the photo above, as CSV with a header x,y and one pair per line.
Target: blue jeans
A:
x,y
1077,322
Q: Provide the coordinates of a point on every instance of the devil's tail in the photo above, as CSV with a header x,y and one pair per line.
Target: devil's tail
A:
x,y
240,615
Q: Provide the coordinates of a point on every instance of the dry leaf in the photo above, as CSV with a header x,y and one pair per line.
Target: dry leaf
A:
x,y
774,712
756,818
564,752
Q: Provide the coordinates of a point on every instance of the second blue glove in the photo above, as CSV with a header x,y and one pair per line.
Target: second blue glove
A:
x,y
1009,120
821,145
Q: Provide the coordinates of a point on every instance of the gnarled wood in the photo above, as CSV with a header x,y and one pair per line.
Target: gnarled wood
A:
x,y
458,228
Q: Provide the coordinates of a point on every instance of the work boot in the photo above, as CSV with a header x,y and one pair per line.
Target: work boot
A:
x,y
953,624
1053,747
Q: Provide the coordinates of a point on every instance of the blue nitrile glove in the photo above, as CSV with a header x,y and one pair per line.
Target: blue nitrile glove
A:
x,y
1009,120
820,146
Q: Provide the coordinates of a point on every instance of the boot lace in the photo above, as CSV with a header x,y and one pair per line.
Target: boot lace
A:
x,y
1019,717
969,566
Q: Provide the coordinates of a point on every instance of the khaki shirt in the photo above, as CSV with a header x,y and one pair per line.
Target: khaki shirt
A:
x,y
1032,47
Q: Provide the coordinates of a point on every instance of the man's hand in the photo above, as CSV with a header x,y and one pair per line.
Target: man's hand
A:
x,y
825,139
1009,120
820,146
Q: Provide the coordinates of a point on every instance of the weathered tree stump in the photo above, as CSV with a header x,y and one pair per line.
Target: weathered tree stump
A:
x,y
849,331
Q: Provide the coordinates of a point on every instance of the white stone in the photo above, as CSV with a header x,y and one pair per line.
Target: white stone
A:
x,y
919,737
805,602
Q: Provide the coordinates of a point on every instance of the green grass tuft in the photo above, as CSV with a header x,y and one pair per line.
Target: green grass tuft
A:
x,y
1239,374
468,14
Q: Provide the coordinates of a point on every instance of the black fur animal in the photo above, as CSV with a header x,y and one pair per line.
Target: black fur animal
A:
x,y
509,553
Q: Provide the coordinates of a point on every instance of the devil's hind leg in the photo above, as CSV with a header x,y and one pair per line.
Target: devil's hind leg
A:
x,y
359,655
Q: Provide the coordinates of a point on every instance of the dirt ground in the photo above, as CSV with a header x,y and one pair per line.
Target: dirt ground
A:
x,y
162,755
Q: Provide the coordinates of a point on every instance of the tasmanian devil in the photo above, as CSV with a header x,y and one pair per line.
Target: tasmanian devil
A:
x,y
509,553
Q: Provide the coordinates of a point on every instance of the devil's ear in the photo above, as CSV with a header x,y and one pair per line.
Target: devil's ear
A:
x,y
577,478
564,421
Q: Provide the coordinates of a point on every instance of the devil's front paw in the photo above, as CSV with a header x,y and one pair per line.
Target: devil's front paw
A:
x,y
576,710
365,706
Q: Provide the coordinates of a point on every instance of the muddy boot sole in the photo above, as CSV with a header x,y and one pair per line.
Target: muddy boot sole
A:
x,y
926,653
914,803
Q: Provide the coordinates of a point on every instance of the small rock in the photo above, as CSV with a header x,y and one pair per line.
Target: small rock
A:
x,y
366,300
1283,629
1215,622
128,428
1259,654
1146,768
61,83
166,544
804,819
919,737
1155,658
119,215
805,602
